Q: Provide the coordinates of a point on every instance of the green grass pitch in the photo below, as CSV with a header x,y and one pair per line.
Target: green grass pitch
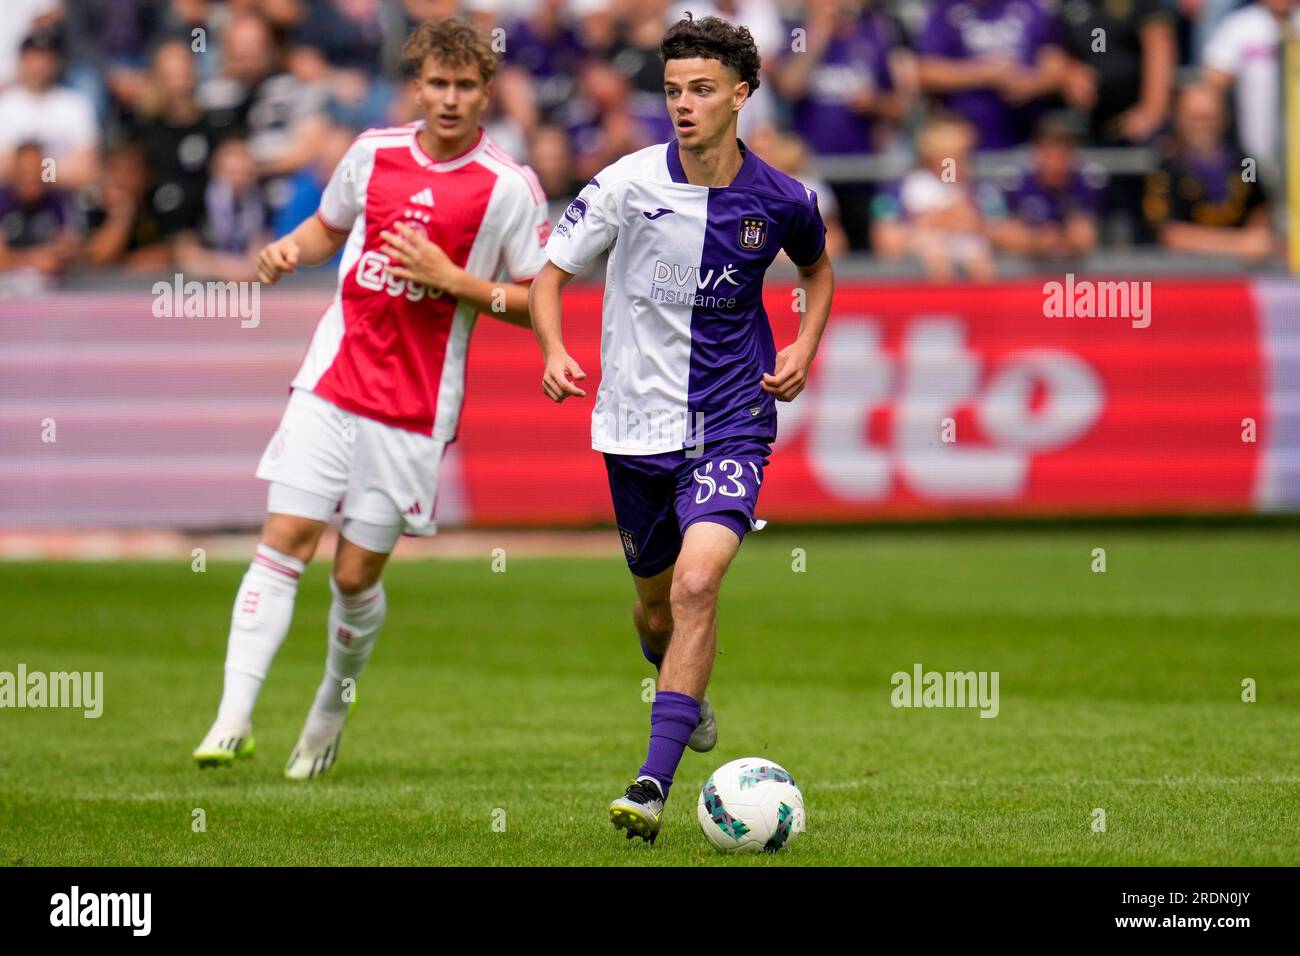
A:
x,y
522,692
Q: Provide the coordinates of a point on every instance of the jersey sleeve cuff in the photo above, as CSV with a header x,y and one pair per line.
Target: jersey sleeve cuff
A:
x,y
570,267
330,226
820,252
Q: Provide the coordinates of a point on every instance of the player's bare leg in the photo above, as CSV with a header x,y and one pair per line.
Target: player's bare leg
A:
x,y
707,551
653,616
355,617
293,535
260,621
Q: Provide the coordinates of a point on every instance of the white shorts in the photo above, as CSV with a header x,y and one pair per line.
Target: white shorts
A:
x,y
385,476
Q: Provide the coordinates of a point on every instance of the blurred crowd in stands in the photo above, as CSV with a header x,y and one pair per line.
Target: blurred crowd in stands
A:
x,y
162,135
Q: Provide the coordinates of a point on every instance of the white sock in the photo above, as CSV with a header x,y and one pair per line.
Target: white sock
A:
x,y
258,625
354,623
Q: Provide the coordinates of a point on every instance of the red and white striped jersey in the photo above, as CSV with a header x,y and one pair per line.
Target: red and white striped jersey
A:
x,y
394,350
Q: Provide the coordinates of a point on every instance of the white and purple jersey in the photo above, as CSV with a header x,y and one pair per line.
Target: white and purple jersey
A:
x,y
685,339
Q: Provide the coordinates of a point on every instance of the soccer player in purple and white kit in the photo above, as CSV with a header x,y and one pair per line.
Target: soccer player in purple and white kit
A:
x,y
686,409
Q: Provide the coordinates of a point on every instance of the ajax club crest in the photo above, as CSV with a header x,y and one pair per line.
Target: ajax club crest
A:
x,y
753,232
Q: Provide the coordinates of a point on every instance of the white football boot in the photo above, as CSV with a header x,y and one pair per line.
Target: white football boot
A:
x,y
640,811
225,744
317,747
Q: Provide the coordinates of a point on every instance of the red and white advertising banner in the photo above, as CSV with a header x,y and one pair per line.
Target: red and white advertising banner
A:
x,y
1062,396
929,401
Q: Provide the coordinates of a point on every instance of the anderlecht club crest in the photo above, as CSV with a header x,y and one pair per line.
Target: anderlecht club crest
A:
x,y
753,232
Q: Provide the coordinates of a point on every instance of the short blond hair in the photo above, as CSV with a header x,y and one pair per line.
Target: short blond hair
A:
x,y
944,136
453,42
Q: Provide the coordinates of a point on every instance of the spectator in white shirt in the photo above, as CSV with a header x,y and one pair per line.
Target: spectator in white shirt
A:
x,y
937,213
20,18
61,120
1244,53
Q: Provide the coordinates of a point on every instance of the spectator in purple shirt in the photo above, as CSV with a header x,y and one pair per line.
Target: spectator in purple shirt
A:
x,y
993,62
1052,207
36,222
841,85
847,83
543,57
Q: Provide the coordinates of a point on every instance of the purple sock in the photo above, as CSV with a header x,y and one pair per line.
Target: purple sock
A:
x,y
653,656
673,718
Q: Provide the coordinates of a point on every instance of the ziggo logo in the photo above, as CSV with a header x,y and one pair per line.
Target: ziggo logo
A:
x,y
372,273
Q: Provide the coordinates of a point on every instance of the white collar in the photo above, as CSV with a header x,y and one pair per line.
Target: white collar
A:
x,y
426,161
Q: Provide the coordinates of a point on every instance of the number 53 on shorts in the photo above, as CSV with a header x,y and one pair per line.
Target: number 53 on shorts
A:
x,y
725,478
729,481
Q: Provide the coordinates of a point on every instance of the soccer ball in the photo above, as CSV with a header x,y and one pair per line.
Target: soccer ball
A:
x,y
751,804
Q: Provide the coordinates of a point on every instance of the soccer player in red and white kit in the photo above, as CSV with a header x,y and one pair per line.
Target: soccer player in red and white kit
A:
x,y
429,216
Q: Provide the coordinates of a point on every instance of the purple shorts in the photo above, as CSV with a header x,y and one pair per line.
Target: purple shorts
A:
x,y
657,497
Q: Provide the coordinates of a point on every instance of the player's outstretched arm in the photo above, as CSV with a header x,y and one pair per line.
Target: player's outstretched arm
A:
x,y
309,244
414,256
792,362
562,373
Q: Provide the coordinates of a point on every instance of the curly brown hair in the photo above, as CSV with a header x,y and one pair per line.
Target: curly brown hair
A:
x,y
453,42
714,39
